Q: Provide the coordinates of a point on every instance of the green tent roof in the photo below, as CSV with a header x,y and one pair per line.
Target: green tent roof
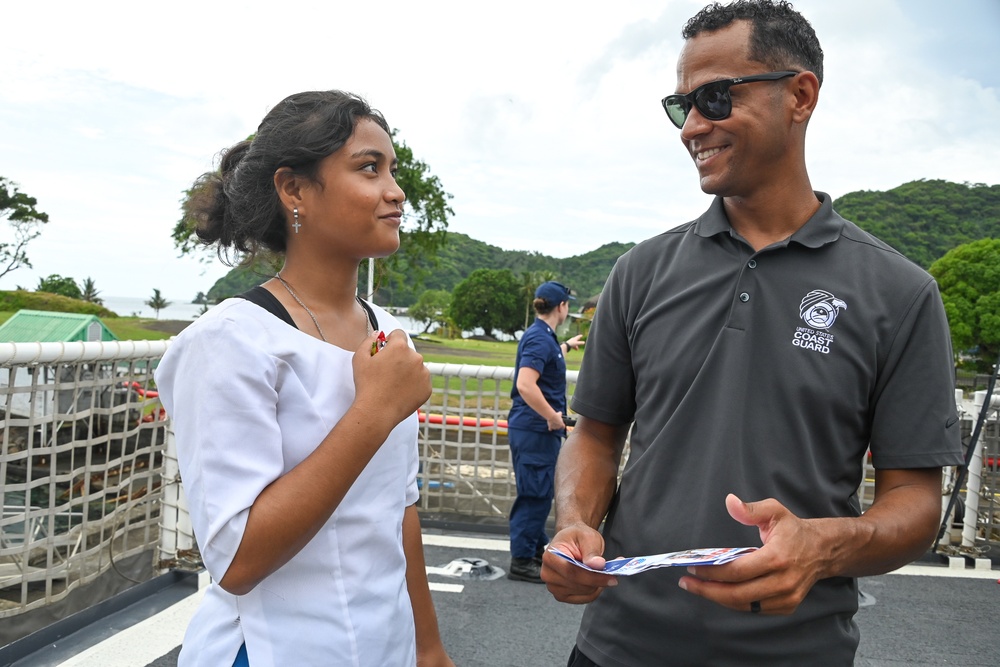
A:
x,y
27,326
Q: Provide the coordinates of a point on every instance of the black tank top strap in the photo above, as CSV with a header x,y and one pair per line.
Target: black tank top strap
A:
x,y
370,312
268,302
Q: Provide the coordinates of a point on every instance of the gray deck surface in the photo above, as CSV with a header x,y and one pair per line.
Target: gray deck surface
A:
x,y
915,621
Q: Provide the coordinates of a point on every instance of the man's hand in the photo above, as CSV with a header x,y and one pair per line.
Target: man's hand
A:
x,y
779,575
567,582
898,527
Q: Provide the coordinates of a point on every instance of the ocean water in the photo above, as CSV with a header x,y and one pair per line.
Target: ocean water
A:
x,y
133,306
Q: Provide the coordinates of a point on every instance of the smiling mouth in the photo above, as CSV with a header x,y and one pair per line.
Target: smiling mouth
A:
x,y
704,155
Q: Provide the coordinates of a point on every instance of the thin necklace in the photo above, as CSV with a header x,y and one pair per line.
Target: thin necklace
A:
x,y
368,324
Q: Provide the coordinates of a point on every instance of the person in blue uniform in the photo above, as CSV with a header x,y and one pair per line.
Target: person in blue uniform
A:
x,y
535,427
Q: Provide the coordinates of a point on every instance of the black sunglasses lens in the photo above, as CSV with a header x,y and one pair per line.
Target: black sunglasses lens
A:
x,y
677,108
713,101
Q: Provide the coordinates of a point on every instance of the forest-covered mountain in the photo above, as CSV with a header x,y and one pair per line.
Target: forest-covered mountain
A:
x,y
925,219
460,256
922,219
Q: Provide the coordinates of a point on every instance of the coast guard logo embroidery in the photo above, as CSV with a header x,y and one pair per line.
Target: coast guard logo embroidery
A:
x,y
819,310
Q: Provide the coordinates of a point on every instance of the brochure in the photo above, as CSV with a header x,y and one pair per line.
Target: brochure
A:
x,y
625,565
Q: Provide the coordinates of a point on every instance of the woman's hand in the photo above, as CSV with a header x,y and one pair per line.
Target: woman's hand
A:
x,y
436,657
555,422
393,380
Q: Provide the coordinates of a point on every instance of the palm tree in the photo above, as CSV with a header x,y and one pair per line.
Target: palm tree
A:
x,y
90,292
157,303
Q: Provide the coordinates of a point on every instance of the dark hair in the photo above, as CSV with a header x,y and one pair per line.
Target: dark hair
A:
x,y
543,307
238,206
780,37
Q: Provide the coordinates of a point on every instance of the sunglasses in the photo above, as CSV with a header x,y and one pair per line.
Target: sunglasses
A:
x,y
712,99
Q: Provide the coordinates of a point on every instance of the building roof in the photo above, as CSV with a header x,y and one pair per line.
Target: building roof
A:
x,y
26,326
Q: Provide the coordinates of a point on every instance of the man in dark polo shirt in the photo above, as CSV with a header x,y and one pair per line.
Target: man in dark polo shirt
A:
x,y
757,353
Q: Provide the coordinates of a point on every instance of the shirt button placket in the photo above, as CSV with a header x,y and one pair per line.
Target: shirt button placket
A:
x,y
739,317
745,296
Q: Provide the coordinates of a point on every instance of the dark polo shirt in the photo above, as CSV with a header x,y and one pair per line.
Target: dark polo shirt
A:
x,y
765,374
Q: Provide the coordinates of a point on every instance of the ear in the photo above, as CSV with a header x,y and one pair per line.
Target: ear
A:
x,y
806,91
289,187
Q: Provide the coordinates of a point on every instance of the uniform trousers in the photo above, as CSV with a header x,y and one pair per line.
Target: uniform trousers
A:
x,y
534,457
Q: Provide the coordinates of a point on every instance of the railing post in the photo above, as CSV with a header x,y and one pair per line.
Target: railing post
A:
x,y
975,479
176,534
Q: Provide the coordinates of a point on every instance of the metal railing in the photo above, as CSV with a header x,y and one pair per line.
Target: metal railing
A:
x,y
90,477
81,464
465,461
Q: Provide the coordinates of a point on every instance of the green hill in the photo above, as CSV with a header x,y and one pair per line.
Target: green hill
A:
x,y
922,219
925,219
460,256
13,301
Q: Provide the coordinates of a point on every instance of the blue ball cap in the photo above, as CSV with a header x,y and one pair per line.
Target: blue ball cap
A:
x,y
554,293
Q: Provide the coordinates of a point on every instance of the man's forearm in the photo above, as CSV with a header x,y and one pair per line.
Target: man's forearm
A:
x,y
898,528
587,473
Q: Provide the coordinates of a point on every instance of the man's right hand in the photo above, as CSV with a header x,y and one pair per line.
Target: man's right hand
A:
x,y
567,582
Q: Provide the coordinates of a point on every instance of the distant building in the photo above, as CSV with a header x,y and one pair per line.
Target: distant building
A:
x,y
41,326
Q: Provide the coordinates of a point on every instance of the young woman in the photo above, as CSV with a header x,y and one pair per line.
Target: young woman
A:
x,y
296,428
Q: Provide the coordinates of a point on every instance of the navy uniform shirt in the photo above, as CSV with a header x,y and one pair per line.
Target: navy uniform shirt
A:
x,y
539,349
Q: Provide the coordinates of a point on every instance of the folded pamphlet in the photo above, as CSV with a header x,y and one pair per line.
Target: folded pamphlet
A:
x,y
625,565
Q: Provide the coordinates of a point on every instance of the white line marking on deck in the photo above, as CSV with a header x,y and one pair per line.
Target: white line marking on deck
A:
x,y
467,542
446,588
144,642
941,571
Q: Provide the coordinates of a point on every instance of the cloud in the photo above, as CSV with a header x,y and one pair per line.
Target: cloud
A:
x,y
542,119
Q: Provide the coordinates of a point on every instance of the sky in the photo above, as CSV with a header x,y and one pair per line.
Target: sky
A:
x,y
542,119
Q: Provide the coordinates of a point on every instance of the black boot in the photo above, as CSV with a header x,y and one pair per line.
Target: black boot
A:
x,y
539,552
525,569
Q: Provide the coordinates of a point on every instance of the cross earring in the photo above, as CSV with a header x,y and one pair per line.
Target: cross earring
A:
x,y
296,225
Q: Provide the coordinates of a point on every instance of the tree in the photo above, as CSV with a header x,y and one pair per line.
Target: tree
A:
x,y
488,299
90,292
426,213
969,279
56,284
157,302
18,209
431,308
